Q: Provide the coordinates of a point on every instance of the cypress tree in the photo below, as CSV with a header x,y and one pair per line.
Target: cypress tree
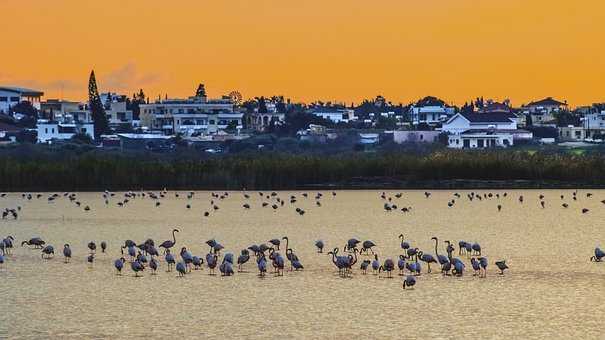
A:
x,y
99,118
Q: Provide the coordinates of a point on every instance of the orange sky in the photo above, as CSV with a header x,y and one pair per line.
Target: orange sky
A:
x,y
339,50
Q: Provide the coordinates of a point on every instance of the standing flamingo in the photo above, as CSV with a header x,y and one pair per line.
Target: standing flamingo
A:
x,y
169,243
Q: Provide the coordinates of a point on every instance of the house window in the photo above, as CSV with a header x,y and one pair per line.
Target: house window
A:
x,y
3,99
46,130
14,99
52,130
479,143
421,137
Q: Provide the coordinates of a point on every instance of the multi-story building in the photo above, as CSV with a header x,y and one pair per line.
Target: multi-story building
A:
x,y
430,111
594,124
61,120
483,130
542,112
194,115
11,96
118,115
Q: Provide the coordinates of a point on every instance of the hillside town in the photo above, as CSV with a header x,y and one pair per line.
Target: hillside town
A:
x,y
228,123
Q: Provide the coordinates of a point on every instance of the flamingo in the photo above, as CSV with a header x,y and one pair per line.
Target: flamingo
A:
x,y
476,248
375,264
103,246
226,268
409,281
483,264
187,258
137,267
169,259
364,266
442,259
476,266
49,251
426,258
351,244
242,259
153,264
181,267
67,252
119,264
262,264
92,246
169,243
37,242
502,266
275,242
367,245
339,261
7,244
401,264
211,261
278,262
388,266
320,246
458,267
197,262
598,255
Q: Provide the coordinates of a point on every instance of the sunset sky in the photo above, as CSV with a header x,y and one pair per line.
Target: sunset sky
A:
x,y
338,50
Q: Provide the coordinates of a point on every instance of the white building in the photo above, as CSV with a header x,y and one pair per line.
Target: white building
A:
x,y
55,107
115,110
11,96
55,130
431,115
594,121
334,114
483,130
195,115
466,121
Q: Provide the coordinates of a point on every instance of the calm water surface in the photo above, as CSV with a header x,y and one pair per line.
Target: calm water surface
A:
x,y
551,290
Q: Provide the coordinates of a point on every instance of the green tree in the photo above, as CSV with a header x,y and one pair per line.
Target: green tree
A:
x,y
81,138
99,118
25,108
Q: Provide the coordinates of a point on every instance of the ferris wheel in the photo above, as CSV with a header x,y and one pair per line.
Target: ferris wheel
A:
x,y
235,97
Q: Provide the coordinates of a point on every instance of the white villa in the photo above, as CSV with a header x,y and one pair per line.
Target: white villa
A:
x,y
192,115
542,111
431,111
62,130
483,130
335,114
11,96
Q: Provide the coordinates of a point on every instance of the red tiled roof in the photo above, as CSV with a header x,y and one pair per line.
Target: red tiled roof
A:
x,y
547,102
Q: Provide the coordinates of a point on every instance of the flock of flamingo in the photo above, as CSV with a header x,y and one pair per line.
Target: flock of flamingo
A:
x,y
146,255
